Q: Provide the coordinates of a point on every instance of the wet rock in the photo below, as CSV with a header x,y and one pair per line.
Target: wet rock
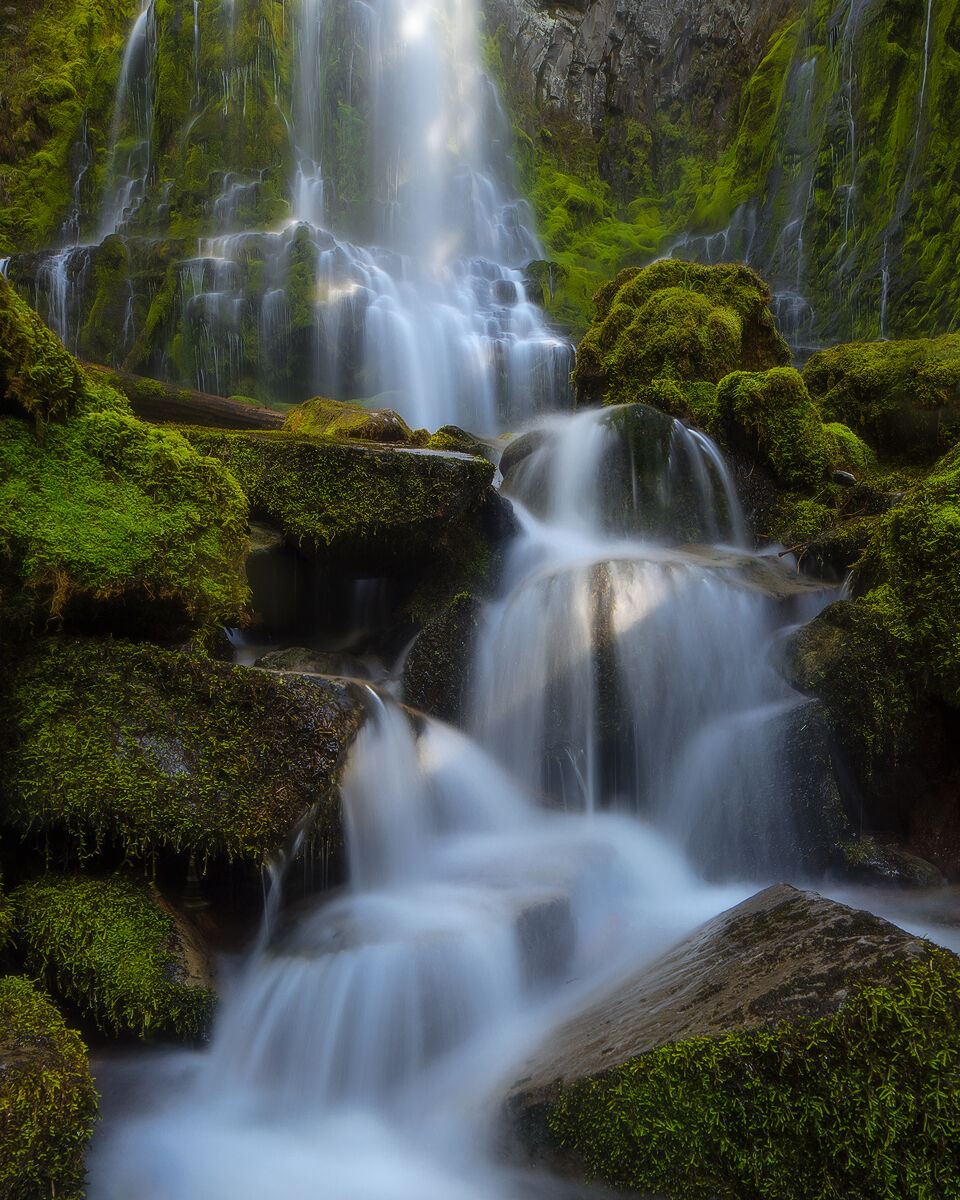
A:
x,y
117,745
299,660
339,419
438,669
699,1075
879,862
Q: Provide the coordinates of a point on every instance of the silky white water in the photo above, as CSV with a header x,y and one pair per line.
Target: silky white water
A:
x,y
497,879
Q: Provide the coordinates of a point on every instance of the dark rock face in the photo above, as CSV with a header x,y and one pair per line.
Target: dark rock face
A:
x,y
437,672
602,58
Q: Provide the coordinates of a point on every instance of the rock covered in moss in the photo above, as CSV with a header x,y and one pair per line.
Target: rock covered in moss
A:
x,y
48,1104
903,396
676,321
360,505
790,1047
116,951
150,749
438,670
771,416
338,419
103,518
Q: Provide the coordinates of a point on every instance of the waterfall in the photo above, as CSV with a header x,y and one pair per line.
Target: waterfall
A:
x,y
392,260
624,744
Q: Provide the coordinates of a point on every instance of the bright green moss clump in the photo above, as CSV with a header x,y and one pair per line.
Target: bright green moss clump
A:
x,y
111,948
98,509
770,416
337,419
47,1100
862,1103
903,396
146,750
677,322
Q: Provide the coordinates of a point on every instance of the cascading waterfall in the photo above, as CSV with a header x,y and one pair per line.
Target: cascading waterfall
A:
x,y
393,273
623,742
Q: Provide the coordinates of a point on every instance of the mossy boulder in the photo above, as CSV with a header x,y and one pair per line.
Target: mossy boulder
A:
x,y
362,506
132,747
438,669
887,663
48,1104
104,519
676,321
117,952
792,1047
770,416
338,419
902,396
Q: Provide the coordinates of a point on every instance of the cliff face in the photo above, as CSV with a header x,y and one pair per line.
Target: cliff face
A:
x,y
600,60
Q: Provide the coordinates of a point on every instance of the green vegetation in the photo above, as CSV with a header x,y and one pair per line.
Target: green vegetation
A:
x,y
903,396
357,503
676,323
864,1102
338,419
47,1100
770,416
111,948
143,749
97,509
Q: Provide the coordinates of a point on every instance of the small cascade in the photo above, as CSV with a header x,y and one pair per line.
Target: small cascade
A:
x,y
645,680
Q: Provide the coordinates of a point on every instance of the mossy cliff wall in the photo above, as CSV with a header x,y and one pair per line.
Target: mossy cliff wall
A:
x,y
815,141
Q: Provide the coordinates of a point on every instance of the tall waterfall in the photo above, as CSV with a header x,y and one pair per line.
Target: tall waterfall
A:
x,y
391,262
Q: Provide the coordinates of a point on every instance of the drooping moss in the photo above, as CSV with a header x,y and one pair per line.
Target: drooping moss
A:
x,y
770,416
679,322
116,745
113,949
48,1104
865,1102
903,396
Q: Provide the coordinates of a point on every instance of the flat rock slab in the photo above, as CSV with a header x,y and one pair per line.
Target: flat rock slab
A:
x,y
781,955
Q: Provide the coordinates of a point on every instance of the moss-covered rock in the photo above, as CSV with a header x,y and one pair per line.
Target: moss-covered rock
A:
x,y
116,951
338,419
101,516
676,321
903,396
48,1104
116,745
770,416
790,1048
438,669
359,505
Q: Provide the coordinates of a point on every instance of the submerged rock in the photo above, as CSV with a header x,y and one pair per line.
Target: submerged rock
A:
x,y
48,1104
118,952
113,744
791,1046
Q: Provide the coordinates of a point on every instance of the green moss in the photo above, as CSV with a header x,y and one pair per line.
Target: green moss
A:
x,y
903,396
147,749
771,416
847,451
865,1102
6,917
358,503
110,947
47,1100
677,322
338,419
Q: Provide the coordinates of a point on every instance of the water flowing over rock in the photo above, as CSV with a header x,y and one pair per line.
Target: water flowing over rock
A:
x,y
388,258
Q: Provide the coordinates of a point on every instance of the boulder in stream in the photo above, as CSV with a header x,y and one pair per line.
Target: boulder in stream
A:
x,y
791,1047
